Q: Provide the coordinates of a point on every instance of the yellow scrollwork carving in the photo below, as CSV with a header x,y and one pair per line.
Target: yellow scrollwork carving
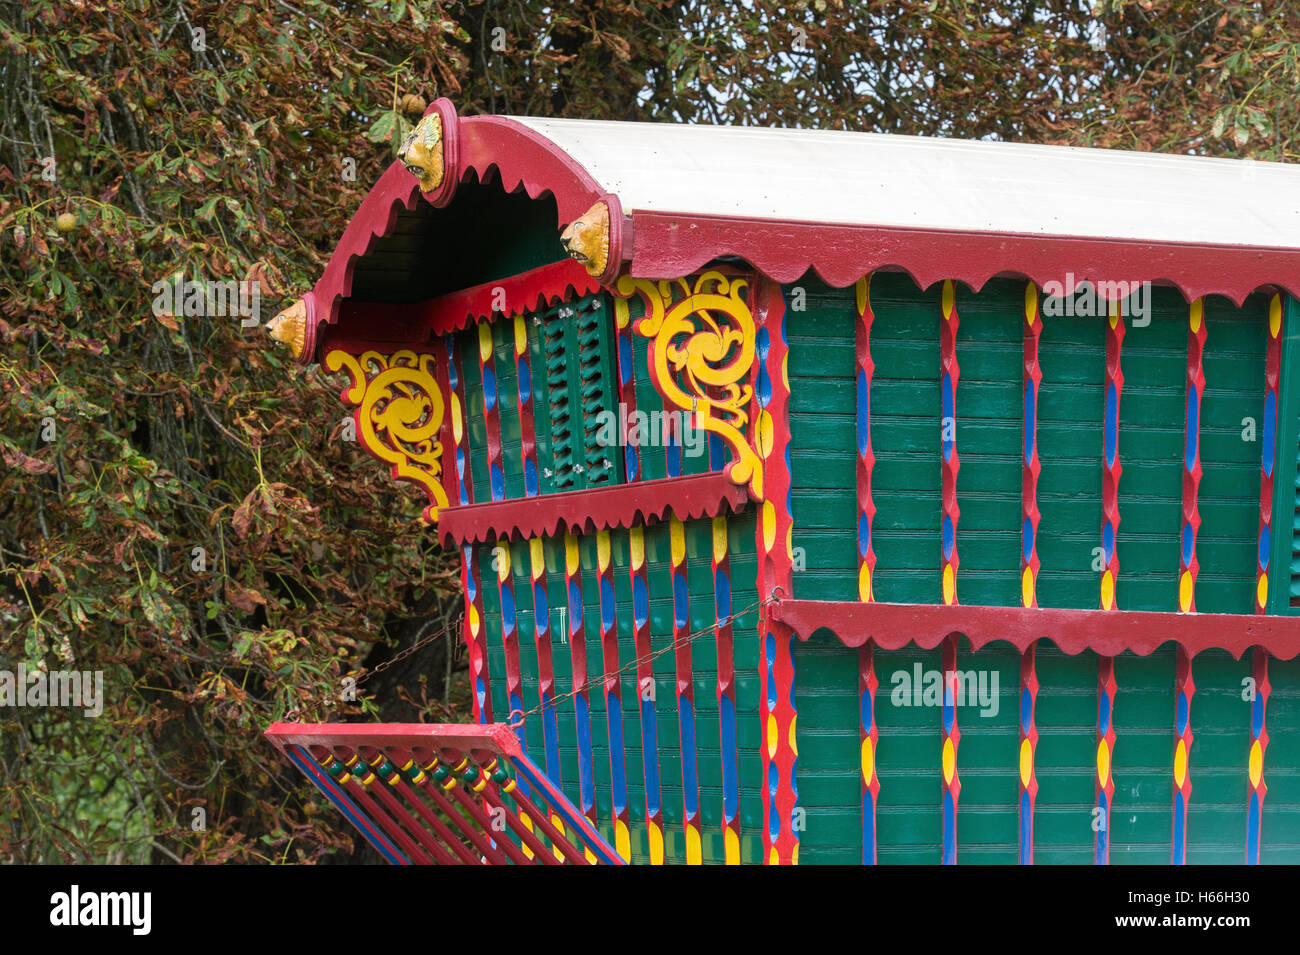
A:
x,y
702,346
399,415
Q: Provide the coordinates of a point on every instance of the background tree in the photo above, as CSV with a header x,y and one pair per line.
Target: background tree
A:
x,y
177,506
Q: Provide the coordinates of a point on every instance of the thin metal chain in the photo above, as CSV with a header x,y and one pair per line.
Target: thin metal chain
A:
x,y
403,654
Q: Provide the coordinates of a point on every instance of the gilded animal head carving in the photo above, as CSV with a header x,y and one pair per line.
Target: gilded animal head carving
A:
x,y
290,327
586,239
421,152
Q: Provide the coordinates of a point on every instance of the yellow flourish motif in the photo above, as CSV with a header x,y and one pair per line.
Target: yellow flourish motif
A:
x,y
701,354
399,415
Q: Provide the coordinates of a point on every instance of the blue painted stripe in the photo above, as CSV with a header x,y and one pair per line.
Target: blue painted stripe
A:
x,y
344,804
1191,437
1030,422
1270,426
1110,431
690,781
864,412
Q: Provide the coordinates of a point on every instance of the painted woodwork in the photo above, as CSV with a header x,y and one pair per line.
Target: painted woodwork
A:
x,y
815,542
780,751
701,356
399,415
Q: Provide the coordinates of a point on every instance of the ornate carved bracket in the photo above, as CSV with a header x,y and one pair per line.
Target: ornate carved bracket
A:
x,y
399,415
702,346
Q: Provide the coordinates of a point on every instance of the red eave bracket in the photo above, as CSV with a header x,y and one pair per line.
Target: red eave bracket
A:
x,y
892,626
582,512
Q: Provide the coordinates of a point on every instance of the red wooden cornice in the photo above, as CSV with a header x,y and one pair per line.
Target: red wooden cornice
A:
x,y
665,246
583,512
1107,633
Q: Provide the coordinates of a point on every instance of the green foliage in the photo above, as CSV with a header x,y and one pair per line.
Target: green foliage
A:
x,y
129,152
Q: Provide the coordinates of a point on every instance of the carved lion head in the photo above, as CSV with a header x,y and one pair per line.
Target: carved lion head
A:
x,y
290,327
421,152
586,239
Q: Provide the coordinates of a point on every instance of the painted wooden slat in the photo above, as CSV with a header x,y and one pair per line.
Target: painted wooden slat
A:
x,y
1184,688
627,384
645,693
727,749
1105,747
685,692
1188,569
949,374
612,685
867,682
1268,443
1111,472
1028,750
471,585
545,664
1255,756
581,691
1030,469
491,412
776,561
527,424
459,433
501,562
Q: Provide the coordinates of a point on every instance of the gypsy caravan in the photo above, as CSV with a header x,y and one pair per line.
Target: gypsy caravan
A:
x,y
830,497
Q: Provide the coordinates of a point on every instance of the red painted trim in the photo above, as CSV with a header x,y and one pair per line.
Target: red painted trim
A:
x,y
494,737
1104,781
1192,449
950,783
1184,690
1028,752
893,626
666,245
775,574
583,512
522,157
1030,466
949,375
528,291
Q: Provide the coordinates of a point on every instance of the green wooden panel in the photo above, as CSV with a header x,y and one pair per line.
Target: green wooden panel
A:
x,y
988,718
909,814
1065,759
1227,542
1071,398
823,449
830,768
1220,720
1142,764
990,428
905,433
1151,443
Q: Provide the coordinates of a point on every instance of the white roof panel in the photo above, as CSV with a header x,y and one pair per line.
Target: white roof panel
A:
x,y
911,182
